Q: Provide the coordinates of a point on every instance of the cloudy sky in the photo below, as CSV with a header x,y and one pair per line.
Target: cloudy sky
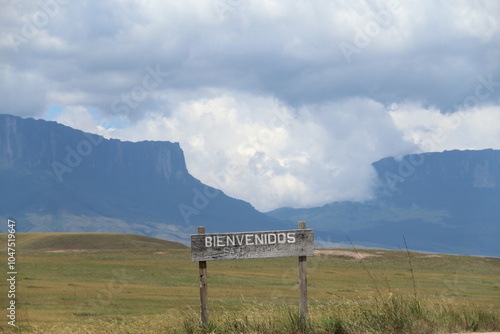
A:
x,y
280,103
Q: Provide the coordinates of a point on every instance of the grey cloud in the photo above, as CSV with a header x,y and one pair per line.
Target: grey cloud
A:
x,y
21,93
294,55
258,57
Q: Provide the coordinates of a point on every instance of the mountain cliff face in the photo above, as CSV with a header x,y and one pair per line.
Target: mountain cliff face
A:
x,y
441,202
30,144
58,179
442,172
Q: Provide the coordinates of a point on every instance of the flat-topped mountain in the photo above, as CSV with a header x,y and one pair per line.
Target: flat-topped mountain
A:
x,y
58,179
442,202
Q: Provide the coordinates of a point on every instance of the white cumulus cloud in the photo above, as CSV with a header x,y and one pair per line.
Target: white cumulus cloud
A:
x,y
278,103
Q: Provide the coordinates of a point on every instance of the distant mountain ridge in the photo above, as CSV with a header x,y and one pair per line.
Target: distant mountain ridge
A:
x,y
441,202
58,179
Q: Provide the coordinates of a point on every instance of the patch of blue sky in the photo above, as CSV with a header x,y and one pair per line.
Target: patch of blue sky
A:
x,y
116,122
53,112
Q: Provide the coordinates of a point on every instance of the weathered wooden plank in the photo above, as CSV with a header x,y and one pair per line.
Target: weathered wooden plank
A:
x,y
252,245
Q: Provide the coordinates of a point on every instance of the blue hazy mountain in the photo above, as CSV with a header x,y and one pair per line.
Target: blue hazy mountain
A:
x,y
440,202
57,179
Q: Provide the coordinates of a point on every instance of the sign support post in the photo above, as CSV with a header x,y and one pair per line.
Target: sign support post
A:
x,y
253,245
303,284
202,265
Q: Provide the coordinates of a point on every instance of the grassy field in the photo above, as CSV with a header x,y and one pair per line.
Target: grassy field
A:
x,y
112,283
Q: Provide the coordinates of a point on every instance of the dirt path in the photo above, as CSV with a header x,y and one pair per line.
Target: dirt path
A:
x,y
334,252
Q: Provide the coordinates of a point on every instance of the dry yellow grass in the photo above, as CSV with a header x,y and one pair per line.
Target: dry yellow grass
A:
x,y
155,290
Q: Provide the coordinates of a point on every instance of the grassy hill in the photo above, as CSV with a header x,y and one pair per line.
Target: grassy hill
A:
x,y
116,283
89,241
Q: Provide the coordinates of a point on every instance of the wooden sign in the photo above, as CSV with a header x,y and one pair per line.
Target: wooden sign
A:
x,y
252,245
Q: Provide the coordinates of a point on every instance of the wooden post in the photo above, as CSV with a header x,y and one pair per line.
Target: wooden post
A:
x,y
248,245
203,287
303,285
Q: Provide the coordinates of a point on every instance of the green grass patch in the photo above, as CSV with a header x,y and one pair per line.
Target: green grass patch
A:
x,y
86,241
155,290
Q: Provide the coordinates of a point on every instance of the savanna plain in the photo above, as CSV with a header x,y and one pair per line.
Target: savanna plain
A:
x,y
118,283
